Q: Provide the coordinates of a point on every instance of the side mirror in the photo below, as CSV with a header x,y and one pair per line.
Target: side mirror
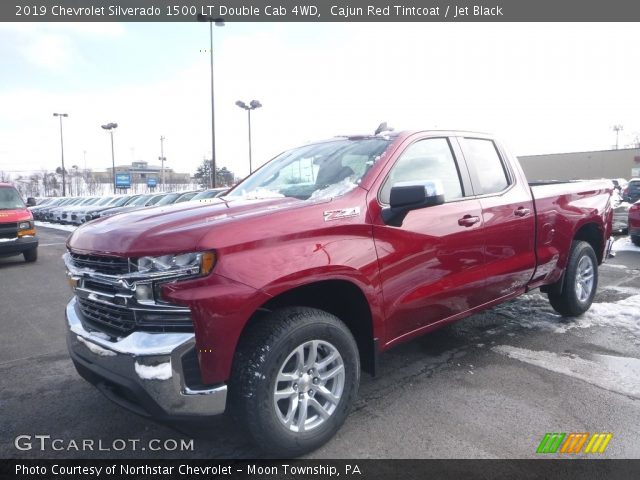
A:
x,y
31,202
407,196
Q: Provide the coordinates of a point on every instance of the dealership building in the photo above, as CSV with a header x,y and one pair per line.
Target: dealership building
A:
x,y
622,163
141,172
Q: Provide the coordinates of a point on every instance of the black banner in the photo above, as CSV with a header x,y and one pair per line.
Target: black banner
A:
x,y
316,469
320,10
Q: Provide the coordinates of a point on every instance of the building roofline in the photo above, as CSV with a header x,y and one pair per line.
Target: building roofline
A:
x,y
585,151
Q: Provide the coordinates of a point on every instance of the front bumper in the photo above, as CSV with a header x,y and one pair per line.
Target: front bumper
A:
x,y
18,245
147,373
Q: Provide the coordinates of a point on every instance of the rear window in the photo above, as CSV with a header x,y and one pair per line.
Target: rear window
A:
x,y
10,199
491,174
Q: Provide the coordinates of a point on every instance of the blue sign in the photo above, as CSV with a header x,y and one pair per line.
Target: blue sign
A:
x,y
123,180
151,182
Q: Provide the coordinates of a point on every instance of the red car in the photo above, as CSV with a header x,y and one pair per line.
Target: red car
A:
x,y
266,302
17,231
634,223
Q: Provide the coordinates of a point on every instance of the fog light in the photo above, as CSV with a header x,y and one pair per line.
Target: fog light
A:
x,y
144,292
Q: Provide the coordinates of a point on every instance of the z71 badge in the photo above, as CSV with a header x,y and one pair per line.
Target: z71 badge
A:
x,y
342,213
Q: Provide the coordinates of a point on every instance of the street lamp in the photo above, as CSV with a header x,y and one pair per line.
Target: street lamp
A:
x,y
219,22
253,104
110,127
64,185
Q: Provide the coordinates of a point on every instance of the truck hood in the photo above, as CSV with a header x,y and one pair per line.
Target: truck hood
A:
x,y
15,215
167,229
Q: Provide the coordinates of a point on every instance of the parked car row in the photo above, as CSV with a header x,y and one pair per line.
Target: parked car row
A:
x,y
631,191
78,210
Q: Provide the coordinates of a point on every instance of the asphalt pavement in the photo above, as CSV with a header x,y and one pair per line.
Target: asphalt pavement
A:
x,y
489,386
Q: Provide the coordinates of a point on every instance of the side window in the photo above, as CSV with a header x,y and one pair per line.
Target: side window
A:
x,y
483,156
429,159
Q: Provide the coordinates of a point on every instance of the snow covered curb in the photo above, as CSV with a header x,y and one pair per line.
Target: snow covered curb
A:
x,y
66,228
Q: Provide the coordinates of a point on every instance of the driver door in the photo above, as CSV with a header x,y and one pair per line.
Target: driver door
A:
x,y
431,266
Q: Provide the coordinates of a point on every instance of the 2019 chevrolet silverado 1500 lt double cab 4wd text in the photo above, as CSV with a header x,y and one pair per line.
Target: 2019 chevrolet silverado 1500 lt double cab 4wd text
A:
x,y
267,302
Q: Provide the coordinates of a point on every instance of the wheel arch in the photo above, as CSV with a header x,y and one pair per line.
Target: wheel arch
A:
x,y
341,298
592,234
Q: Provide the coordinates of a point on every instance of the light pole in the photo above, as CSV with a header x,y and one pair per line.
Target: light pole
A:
x,y
219,22
253,104
110,127
74,178
162,159
64,185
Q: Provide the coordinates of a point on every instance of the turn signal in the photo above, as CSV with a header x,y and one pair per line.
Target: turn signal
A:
x,y
208,261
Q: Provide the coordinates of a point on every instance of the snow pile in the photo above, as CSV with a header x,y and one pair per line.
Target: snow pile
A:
x,y
625,244
93,348
623,314
534,312
157,372
618,374
334,190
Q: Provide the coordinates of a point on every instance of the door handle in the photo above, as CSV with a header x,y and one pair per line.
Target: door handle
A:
x,y
522,212
468,221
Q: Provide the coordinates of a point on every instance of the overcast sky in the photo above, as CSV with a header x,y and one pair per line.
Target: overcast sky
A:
x,y
543,88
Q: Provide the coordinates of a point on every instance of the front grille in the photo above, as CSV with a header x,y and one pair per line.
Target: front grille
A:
x,y
120,320
101,264
109,318
8,230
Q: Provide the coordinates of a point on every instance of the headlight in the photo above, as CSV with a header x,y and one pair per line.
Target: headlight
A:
x,y
26,229
185,263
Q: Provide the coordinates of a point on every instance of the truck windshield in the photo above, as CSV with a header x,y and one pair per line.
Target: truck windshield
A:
x,y
10,199
313,172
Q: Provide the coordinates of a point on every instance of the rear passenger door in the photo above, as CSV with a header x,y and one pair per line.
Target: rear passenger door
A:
x,y
431,265
508,217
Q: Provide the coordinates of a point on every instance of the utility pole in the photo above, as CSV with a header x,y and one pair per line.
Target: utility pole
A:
x,y
162,159
617,129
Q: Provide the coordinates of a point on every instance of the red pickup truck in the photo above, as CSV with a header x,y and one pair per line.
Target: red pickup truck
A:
x,y
17,231
269,301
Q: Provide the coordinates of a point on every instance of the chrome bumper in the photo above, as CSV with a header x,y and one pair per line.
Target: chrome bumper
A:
x,y
142,371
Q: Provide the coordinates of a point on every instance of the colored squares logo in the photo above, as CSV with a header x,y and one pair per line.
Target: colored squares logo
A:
x,y
574,443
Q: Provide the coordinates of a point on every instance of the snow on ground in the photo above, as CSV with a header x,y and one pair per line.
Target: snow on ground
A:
x,y
617,374
624,314
624,244
157,372
57,226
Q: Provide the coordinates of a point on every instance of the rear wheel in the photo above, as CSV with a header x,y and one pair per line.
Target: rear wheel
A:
x,y
30,255
295,379
580,282
636,239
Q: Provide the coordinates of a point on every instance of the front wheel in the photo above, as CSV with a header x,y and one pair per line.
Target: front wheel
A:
x,y
30,255
636,239
294,381
580,282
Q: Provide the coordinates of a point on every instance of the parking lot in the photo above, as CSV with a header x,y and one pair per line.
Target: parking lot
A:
x,y
490,386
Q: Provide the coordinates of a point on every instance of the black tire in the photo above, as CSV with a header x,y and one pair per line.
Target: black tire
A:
x,y
30,255
262,354
636,239
568,303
